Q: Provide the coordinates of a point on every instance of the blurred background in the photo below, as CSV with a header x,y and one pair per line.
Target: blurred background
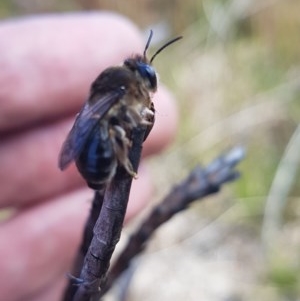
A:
x,y
236,76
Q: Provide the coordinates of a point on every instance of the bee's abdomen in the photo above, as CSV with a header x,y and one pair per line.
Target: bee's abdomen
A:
x,y
97,162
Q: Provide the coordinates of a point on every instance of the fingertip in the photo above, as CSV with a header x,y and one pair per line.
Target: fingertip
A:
x,y
49,61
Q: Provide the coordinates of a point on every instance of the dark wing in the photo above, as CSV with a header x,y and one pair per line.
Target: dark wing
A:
x,y
85,121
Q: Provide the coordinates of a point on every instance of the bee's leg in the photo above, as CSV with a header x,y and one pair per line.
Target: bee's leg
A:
x,y
137,115
133,117
149,117
121,146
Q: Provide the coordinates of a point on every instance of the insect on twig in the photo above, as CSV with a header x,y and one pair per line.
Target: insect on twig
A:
x,y
120,100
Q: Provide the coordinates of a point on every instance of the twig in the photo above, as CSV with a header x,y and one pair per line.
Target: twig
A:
x,y
200,183
108,227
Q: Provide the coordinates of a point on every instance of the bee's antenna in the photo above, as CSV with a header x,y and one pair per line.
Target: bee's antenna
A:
x,y
161,48
148,42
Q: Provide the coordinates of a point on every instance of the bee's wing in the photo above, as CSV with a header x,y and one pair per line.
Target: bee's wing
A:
x,y
85,121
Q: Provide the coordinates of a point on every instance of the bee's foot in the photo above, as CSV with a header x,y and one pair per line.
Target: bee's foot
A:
x,y
132,172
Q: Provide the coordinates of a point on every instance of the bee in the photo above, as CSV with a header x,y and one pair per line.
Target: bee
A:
x,y
120,99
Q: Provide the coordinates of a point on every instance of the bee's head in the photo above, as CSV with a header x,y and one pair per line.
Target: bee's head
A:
x,y
144,71
143,67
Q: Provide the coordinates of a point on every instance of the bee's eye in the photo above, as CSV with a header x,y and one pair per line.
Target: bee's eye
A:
x,y
147,72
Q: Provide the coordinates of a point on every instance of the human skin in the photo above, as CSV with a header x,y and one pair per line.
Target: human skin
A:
x,y
47,64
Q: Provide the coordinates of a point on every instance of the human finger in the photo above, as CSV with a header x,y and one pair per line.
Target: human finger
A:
x,y
48,62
